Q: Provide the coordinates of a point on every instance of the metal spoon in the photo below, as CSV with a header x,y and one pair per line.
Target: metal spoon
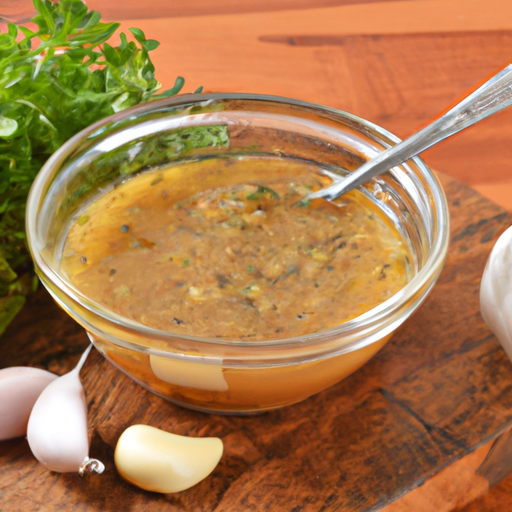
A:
x,y
493,96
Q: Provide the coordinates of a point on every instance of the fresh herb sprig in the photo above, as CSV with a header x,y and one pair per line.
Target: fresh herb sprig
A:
x,y
56,78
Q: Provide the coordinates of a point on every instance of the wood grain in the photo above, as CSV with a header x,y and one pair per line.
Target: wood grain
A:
x,y
398,69
424,426
397,63
20,10
435,394
119,9
498,499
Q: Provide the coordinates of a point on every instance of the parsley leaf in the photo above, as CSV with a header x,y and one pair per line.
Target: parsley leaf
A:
x,y
55,80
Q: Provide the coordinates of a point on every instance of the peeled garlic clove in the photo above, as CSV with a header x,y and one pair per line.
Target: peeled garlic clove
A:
x,y
205,374
20,386
496,291
159,461
57,428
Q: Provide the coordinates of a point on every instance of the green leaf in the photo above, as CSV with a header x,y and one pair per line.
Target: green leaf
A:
x,y
9,308
27,32
139,35
140,154
178,85
7,274
151,44
93,19
45,20
55,80
110,54
12,29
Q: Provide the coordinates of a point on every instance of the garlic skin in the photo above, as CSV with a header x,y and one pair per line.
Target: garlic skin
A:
x,y
57,430
20,387
57,427
159,461
496,291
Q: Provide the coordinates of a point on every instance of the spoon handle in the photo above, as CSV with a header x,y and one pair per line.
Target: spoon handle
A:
x,y
491,97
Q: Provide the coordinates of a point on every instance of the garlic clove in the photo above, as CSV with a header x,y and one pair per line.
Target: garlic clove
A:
x,y
57,430
496,291
57,427
159,461
205,374
20,386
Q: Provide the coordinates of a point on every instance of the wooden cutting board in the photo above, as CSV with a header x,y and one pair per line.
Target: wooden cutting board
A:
x,y
424,426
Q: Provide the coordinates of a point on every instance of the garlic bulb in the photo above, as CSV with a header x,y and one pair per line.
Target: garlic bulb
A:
x,y
159,461
57,428
496,291
20,386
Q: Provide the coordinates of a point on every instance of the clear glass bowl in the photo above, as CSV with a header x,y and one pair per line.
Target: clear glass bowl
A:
x,y
234,376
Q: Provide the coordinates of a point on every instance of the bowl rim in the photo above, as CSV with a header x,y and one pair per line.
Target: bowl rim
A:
x,y
427,274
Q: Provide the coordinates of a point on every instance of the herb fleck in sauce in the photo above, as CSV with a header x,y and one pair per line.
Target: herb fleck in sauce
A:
x,y
233,249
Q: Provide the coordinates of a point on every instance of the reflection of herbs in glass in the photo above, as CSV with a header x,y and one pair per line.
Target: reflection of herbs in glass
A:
x,y
54,81
141,154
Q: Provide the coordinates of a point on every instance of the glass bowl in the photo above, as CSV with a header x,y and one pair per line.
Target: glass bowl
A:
x,y
234,376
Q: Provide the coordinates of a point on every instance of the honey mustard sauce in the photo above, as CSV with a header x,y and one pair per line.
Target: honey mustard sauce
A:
x,y
231,249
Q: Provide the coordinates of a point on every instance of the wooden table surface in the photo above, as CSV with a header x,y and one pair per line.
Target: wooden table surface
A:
x,y
425,425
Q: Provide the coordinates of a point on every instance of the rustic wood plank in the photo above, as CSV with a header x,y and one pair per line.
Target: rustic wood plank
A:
x,y
500,192
495,469
419,419
422,56
453,486
498,499
430,398
399,81
121,9
20,11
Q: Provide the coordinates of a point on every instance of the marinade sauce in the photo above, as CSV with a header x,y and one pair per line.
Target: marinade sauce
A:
x,y
232,249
